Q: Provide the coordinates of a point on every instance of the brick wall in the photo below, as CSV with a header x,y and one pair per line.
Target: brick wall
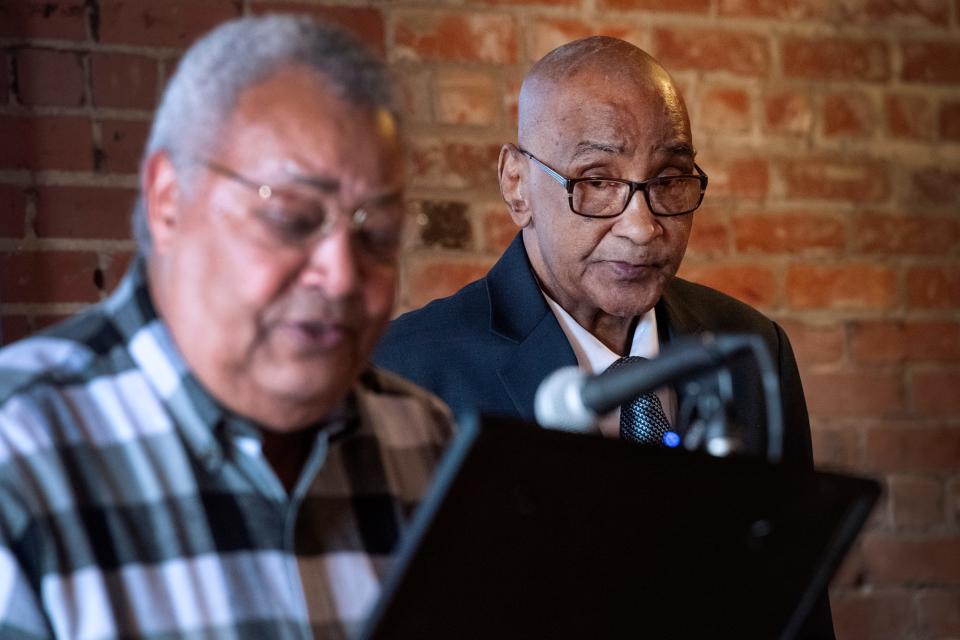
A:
x,y
830,130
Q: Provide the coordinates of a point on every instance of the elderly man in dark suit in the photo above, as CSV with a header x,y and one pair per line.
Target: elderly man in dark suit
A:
x,y
603,186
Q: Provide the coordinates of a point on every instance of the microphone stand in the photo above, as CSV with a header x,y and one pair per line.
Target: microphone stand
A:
x,y
707,411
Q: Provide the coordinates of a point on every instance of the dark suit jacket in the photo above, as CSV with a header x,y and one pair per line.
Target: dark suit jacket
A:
x,y
489,346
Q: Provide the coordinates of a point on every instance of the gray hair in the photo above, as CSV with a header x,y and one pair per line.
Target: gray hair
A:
x,y
201,95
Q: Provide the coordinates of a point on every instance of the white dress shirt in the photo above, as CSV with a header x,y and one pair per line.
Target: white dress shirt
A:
x,y
595,357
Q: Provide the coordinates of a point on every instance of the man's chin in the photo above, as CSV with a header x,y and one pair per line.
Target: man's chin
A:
x,y
630,301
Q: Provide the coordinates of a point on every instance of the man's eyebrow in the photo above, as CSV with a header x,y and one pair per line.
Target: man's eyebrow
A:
x,y
321,183
586,146
680,149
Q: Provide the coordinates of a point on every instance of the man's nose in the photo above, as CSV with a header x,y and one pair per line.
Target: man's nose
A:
x,y
637,222
332,264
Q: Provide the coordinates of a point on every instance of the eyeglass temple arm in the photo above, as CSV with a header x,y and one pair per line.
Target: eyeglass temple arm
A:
x,y
564,182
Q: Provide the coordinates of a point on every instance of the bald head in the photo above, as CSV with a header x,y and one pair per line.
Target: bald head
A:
x,y
614,60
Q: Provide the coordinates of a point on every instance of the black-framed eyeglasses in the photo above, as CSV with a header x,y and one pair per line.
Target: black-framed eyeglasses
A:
x,y
288,219
609,197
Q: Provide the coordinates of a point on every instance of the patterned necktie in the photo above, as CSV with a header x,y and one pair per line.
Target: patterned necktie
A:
x,y
641,419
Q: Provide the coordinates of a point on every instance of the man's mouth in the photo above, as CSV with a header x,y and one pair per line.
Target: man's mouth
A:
x,y
307,335
631,270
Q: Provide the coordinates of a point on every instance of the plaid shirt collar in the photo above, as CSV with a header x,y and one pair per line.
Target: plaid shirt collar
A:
x,y
202,420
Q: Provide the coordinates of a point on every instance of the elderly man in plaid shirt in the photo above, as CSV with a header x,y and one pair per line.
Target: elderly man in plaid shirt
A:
x,y
207,453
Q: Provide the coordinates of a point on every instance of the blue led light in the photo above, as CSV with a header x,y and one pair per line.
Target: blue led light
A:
x,y
671,439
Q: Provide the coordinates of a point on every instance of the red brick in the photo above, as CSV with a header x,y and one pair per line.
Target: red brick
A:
x,y
13,328
547,34
738,178
837,448
4,79
852,571
124,81
415,95
12,213
511,102
443,223
933,62
788,113
910,448
48,276
792,10
438,278
713,50
835,59
936,186
685,6
753,284
936,393
909,116
787,233
915,234
896,560
872,615
845,394
815,343
499,228
918,501
886,341
932,340
161,23
364,22
848,114
50,78
453,165
931,287
512,3
84,212
465,97
861,180
47,142
950,121
47,320
31,19
848,286
455,37
122,142
117,264
939,612
953,506
877,12
725,110
710,236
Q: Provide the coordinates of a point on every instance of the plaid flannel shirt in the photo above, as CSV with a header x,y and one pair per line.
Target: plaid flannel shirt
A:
x,y
132,504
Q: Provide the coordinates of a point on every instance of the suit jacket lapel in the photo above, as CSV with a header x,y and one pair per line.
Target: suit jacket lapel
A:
x,y
674,320
519,313
674,317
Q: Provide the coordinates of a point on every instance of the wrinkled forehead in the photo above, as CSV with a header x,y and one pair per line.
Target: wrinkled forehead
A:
x,y
294,123
634,107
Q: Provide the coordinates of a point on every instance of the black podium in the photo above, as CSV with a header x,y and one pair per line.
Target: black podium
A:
x,y
530,533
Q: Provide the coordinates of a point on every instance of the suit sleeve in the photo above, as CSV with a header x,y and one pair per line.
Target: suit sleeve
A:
x,y
798,448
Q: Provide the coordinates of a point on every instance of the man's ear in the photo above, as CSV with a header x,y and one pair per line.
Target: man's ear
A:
x,y
161,193
512,171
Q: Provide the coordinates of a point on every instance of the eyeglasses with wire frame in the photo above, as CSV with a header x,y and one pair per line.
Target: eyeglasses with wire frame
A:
x,y
608,197
289,220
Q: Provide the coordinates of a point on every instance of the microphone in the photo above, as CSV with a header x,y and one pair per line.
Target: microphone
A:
x,y
571,399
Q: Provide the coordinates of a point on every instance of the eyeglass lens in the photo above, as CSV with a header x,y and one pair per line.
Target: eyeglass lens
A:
x,y
609,198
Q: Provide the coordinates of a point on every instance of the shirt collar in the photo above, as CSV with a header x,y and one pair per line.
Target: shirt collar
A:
x,y
593,355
